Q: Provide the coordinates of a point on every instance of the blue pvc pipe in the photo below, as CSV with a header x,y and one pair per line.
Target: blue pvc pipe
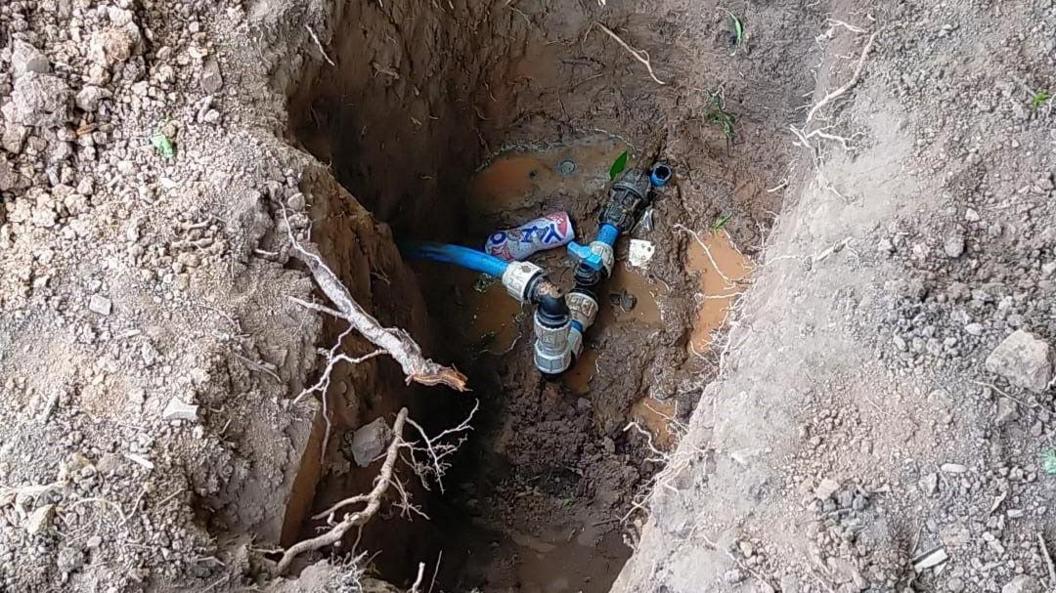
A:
x,y
607,234
472,259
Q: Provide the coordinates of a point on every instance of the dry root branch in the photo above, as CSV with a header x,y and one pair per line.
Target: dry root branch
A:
x,y
639,54
372,502
396,342
436,451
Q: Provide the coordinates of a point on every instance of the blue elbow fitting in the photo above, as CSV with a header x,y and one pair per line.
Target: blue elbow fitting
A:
x,y
456,254
660,175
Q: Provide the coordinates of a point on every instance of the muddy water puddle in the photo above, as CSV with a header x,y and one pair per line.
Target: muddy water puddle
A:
x,y
721,270
520,179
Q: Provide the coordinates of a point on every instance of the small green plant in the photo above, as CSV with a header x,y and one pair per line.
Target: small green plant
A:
x,y
738,37
618,166
163,145
721,222
1048,461
1039,98
718,115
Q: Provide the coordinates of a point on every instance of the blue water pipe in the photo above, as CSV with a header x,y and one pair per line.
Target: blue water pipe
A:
x,y
608,234
478,261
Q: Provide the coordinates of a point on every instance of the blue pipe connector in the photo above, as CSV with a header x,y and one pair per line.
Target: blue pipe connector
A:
x,y
472,259
608,234
660,175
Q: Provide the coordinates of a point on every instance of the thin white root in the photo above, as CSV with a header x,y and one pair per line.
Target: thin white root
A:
x,y
829,98
358,518
639,54
319,44
418,580
707,252
396,342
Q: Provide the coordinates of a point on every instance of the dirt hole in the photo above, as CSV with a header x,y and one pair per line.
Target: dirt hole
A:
x,y
447,131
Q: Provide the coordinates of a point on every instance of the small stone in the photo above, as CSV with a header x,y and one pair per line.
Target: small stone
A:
x,y
370,441
211,81
1022,584
69,559
26,58
89,97
971,215
39,519
99,304
826,489
1024,360
296,202
14,137
953,468
178,410
974,329
9,178
1006,411
955,585
733,576
929,483
38,100
954,245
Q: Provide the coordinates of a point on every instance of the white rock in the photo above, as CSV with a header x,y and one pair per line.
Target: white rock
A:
x,y
1024,360
826,489
89,97
26,58
178,410
99,304
954,245
370,441
39,519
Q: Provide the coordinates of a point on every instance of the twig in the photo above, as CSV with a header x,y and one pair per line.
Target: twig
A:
x,y
639,54
319,44
1004,394
372,500
399,345
850,83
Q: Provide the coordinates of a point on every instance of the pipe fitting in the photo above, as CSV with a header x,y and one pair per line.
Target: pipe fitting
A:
x,y
553,352
519,278
605,253
583,307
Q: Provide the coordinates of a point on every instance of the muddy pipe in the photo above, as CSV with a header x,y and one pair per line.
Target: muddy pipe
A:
x,y
525,282
628,198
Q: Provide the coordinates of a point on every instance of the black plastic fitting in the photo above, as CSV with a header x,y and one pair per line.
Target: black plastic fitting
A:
x,y
627,198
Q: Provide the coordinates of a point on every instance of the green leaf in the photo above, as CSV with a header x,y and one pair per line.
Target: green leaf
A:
x,y
721,222
1040,98
736,29
163,145
1048,461
618,166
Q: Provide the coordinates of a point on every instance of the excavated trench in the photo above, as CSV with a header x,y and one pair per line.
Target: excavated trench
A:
x,y
447,125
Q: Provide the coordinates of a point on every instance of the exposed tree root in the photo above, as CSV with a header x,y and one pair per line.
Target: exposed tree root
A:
x,y
395,341
372,500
